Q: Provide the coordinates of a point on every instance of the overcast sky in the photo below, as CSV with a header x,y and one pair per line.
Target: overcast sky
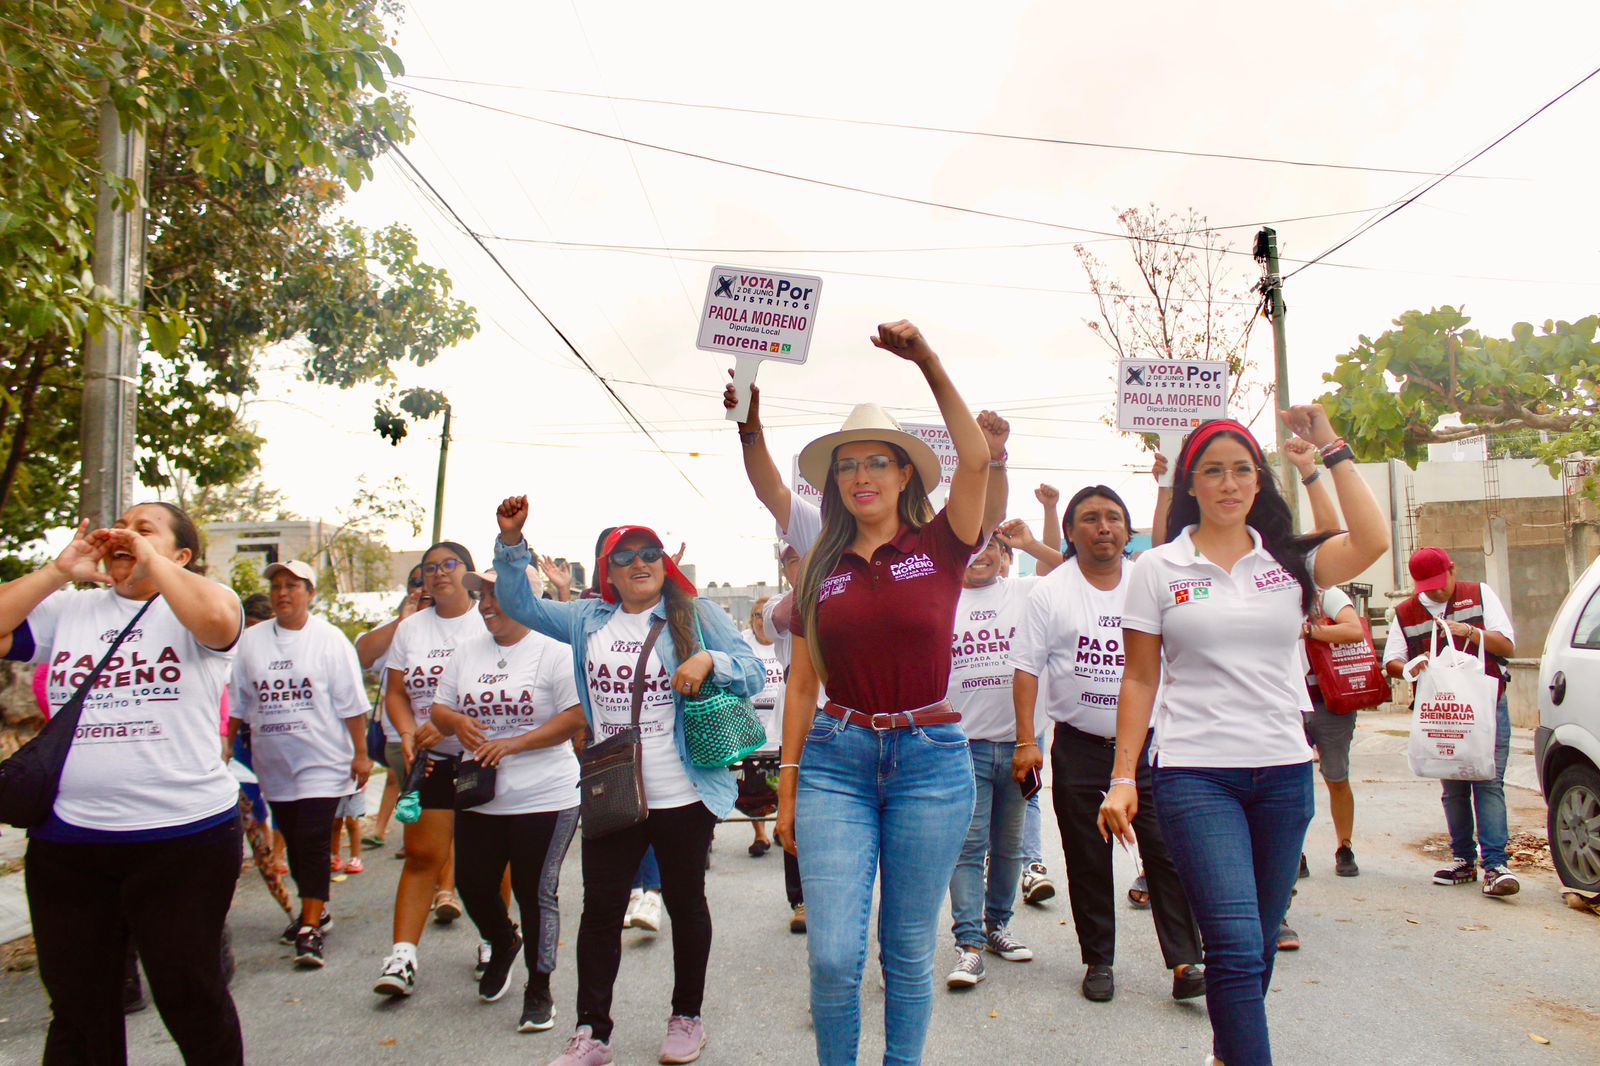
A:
x,y
1416,86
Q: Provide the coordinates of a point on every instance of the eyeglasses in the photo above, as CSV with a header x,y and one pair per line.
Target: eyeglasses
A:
x,y
875,464
1243,473
626,558
447,566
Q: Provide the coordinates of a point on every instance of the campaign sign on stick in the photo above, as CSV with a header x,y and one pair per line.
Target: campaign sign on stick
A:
x,y
802,487
937,438
755,315
1170,397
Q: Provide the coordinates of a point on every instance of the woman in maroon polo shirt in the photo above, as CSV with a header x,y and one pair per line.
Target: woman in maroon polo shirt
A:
x,y
881,778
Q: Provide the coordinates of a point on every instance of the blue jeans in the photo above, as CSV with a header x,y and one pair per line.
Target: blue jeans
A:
x,y
1235,836
1488,798
894,805
996,835
649,875
1032,823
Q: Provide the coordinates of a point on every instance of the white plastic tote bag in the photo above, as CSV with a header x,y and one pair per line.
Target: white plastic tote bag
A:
x,y
1453,721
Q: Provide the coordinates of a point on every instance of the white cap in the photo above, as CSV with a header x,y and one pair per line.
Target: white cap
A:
x,y
299,569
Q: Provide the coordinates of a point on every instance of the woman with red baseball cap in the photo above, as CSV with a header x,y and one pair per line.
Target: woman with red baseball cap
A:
x,y
1222,603
643,596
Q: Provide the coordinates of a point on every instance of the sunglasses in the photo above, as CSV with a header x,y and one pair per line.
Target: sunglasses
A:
x,y
446,566
626,558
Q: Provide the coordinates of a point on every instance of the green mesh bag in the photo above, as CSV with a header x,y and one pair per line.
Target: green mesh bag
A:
x,y
719,728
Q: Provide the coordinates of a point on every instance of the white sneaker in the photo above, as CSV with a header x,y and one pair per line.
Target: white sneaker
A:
x,y
648,916
631,915
485,952
399,977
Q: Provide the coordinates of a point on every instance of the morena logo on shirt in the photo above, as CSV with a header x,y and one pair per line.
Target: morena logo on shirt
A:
x,y
1188,591
1275,580
912,567
833,585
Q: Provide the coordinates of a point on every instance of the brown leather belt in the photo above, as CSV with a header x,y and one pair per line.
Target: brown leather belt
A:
x,y
935,714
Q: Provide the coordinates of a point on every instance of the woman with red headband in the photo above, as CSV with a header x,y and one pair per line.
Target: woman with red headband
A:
x,y
1222,603
643,595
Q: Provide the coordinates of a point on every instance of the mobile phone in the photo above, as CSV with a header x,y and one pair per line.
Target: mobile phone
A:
x,y
1030,785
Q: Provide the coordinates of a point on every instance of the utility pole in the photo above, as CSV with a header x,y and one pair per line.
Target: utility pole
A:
x,y
1271,288
438,493
111,357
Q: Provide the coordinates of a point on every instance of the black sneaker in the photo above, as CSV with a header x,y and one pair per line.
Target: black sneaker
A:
x,y
1288,939
1459,872
1305,871
538,1009
496,979
308,949
1191,983
1098,985
133,998
291,932
1344,862
399,977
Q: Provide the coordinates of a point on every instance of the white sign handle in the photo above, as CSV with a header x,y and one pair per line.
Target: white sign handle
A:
x,y
1171,445
744,375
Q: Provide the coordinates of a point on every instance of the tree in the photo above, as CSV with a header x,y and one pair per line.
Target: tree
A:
x,y
1186,304
1392,394
356,554
259,115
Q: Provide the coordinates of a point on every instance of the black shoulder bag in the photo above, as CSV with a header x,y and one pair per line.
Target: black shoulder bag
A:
x,y
30,779
611,774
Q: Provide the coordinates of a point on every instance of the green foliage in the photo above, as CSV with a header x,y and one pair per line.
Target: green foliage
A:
x,y
244,576
344,614
259,115
1390,393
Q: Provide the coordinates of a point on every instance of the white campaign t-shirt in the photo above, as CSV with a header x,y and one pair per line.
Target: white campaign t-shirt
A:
x,y
422,648
1495,619
1233,694
1071,639
146,754
511,691
1333,601
769,701
296,687
613,652
805,524
776,620
980,669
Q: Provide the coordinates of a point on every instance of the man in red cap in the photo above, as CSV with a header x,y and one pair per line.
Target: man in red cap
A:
x,y
1475,811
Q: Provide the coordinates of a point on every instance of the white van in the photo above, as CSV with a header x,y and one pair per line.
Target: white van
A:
x,y
1567,744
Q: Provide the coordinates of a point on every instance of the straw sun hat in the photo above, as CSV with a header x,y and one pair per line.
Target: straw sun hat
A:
x,y
867,422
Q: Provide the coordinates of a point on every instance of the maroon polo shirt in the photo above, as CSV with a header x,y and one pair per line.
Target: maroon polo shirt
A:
x,y
885,622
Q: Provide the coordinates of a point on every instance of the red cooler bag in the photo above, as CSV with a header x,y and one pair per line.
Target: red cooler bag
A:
x,y
1350,675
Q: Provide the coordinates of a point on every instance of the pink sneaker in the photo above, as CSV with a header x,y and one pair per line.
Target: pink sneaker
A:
x,y
584,1050
355,866
685,1039
337,864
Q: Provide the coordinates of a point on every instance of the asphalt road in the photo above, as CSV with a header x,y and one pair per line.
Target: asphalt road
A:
x,y
1394,971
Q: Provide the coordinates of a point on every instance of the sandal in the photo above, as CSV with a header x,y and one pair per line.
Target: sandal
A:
x,y
1139,893
445,908
372,842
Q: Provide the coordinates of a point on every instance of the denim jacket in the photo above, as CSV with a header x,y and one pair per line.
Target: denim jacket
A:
x,y
735,667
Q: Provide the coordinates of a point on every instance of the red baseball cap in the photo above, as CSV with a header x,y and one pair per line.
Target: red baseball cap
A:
x,y
608,591
1430,569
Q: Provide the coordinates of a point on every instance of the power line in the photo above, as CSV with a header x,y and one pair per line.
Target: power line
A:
x,y
1367,226
822,182
915,127
548,320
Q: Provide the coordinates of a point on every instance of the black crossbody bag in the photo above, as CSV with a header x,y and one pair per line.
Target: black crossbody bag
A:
x,y
30,779
611,774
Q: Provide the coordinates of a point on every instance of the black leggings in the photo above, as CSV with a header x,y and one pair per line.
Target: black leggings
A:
x,y
682,839
307,828
534,845
170,897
